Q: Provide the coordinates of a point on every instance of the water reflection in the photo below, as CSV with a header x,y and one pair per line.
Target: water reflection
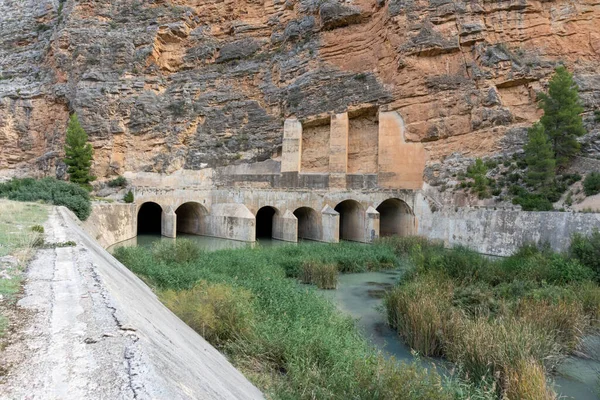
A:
x,y
206,243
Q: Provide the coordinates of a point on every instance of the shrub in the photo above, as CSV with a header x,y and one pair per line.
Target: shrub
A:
x,y
218,312
591,184
322,275
128,198
51,191
37,228
587,250
478,173
119,181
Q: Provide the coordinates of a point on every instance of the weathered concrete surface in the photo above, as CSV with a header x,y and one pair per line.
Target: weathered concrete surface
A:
x,y
110,223
501,232
98,332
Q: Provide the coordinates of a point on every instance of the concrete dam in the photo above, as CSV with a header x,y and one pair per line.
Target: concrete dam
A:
x,y
338,178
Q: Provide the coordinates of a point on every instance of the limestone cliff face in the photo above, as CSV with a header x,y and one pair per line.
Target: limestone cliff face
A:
x,y
165,85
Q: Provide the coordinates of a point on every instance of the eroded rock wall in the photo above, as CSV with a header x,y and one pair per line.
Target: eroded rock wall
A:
x,y
164,85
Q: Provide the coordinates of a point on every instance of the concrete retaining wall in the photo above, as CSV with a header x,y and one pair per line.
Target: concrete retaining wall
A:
x,y
501,232
111,223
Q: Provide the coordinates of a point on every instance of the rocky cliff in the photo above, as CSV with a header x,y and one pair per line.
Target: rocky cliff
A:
x,y
165,85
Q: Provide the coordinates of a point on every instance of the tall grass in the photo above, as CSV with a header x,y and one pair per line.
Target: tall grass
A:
x,y
506,320
324,276
219,312
420,311
285,337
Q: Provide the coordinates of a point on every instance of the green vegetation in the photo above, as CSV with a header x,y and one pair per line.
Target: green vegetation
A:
x,y
289,340
79,154
562,115
50,191
128,198
324,276
119,181
478,172
503,321
37,228
18,236
591,184
540,158
587,250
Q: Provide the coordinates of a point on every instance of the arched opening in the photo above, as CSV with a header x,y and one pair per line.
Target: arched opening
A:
x,y
309,223
395,218
264,222
351,220
189,218
149,218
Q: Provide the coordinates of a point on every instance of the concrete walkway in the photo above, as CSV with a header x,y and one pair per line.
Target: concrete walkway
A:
x,y
96,331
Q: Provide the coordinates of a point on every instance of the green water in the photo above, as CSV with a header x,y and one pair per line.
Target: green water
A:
x,y
360,296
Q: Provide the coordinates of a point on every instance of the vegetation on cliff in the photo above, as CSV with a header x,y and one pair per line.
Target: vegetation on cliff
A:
x,y
504,322
50,191
290,341
78,154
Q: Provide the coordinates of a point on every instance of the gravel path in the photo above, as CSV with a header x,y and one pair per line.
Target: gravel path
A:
x,y
98,332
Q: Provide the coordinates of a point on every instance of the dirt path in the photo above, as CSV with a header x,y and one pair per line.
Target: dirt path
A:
x,y
97,331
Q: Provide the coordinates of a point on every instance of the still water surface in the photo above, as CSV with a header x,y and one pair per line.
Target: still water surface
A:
x,y
360,296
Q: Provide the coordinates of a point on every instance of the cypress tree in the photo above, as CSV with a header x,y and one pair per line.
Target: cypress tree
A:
x,y
79,153
562,120
539,157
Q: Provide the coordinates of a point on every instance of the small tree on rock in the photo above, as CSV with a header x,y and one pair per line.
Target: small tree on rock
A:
x,y
540,158
79,153
562,115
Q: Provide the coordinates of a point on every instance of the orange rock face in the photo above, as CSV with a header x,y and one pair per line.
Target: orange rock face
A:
x,y
188,84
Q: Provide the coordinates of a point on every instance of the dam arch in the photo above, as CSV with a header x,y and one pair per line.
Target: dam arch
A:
x,y
309,223
265,219
149,218
190,218
352,221
395,218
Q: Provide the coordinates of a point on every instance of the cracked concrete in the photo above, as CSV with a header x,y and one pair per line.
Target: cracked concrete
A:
x,y
98,332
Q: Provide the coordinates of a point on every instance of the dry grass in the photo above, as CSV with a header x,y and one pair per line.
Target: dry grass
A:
x,y
499,348
322,275
16,220
420,311
527,382
19,240
564,319
219,312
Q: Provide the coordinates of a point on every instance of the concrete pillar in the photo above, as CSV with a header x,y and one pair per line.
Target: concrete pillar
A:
x,y
291,153
371,225
169,223
331,225
338,151
285,227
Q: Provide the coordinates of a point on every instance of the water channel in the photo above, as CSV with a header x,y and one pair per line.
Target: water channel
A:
x,y
360,296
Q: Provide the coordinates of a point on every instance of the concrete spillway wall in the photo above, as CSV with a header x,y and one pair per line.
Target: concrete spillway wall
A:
x,y
168,358
501,232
